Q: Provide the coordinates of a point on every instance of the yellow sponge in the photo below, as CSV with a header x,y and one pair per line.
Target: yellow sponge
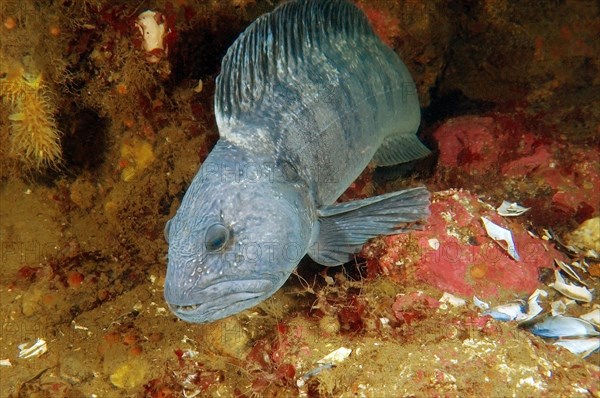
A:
x,y
34,138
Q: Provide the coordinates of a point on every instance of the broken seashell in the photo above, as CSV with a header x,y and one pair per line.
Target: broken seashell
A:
x,y
575,292
5,362
482,305
518,310
558,307
37,349
592,317
452,300
434,243
508,209
336,356
497,233
583,347
592,254
507,312
569,271
547,235
563,326
582,266
533,307
327,362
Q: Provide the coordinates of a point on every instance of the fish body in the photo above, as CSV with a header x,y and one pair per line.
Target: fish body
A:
x,y
307,96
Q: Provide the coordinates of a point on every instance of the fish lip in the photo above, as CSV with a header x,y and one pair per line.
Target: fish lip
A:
x,y
251,290
197,314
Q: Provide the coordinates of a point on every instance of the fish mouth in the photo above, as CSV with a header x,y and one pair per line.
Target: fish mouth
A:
x,y
212,306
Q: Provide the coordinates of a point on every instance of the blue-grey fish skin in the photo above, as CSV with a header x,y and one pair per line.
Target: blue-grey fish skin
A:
x,y
327,101
306,98
271,226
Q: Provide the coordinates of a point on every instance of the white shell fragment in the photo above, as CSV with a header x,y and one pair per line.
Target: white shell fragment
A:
x,y
558,307
583,347
498,234
564,326
507,312
592,317
518,310
336,356
508,209
583,265
569,271
5,362
571,291
327,362
152,26
482,305
37,349
533,306
452,300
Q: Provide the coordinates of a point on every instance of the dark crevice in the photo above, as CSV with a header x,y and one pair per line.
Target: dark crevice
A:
x,y
200,50
84,140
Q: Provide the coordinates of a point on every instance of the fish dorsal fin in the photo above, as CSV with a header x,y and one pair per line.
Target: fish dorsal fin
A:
x,y
397,149
274,45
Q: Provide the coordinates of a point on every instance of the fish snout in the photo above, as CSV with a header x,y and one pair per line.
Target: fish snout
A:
x,y
218,300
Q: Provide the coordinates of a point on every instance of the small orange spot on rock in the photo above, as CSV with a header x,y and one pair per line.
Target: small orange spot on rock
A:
x,y
129,339
122,89
74,278
478,271
10,23
566,33
155,337
54,30
103,295
112,338
136,350
48,299
129,122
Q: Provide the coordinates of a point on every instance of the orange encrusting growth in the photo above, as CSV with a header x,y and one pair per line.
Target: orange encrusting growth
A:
x,y
34,137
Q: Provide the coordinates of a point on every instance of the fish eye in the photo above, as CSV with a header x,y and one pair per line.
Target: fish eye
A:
x,y
217,236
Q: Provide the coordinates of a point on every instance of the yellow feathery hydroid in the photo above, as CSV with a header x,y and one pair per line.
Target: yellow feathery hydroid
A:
x,y
34,137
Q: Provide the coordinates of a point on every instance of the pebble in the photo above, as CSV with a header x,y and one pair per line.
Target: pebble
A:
x,y
74,371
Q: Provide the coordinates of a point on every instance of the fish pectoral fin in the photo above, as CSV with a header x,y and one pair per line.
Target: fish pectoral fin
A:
x,y
398,149
345,227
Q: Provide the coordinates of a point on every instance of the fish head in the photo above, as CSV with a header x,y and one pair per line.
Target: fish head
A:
x,y
232,244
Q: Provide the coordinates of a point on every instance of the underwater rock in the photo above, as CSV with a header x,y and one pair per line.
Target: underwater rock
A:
x,y
421,31
130,375
413,306
74,370
509,55
571,173
465,260
587,235
493,154
136,157
468,142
